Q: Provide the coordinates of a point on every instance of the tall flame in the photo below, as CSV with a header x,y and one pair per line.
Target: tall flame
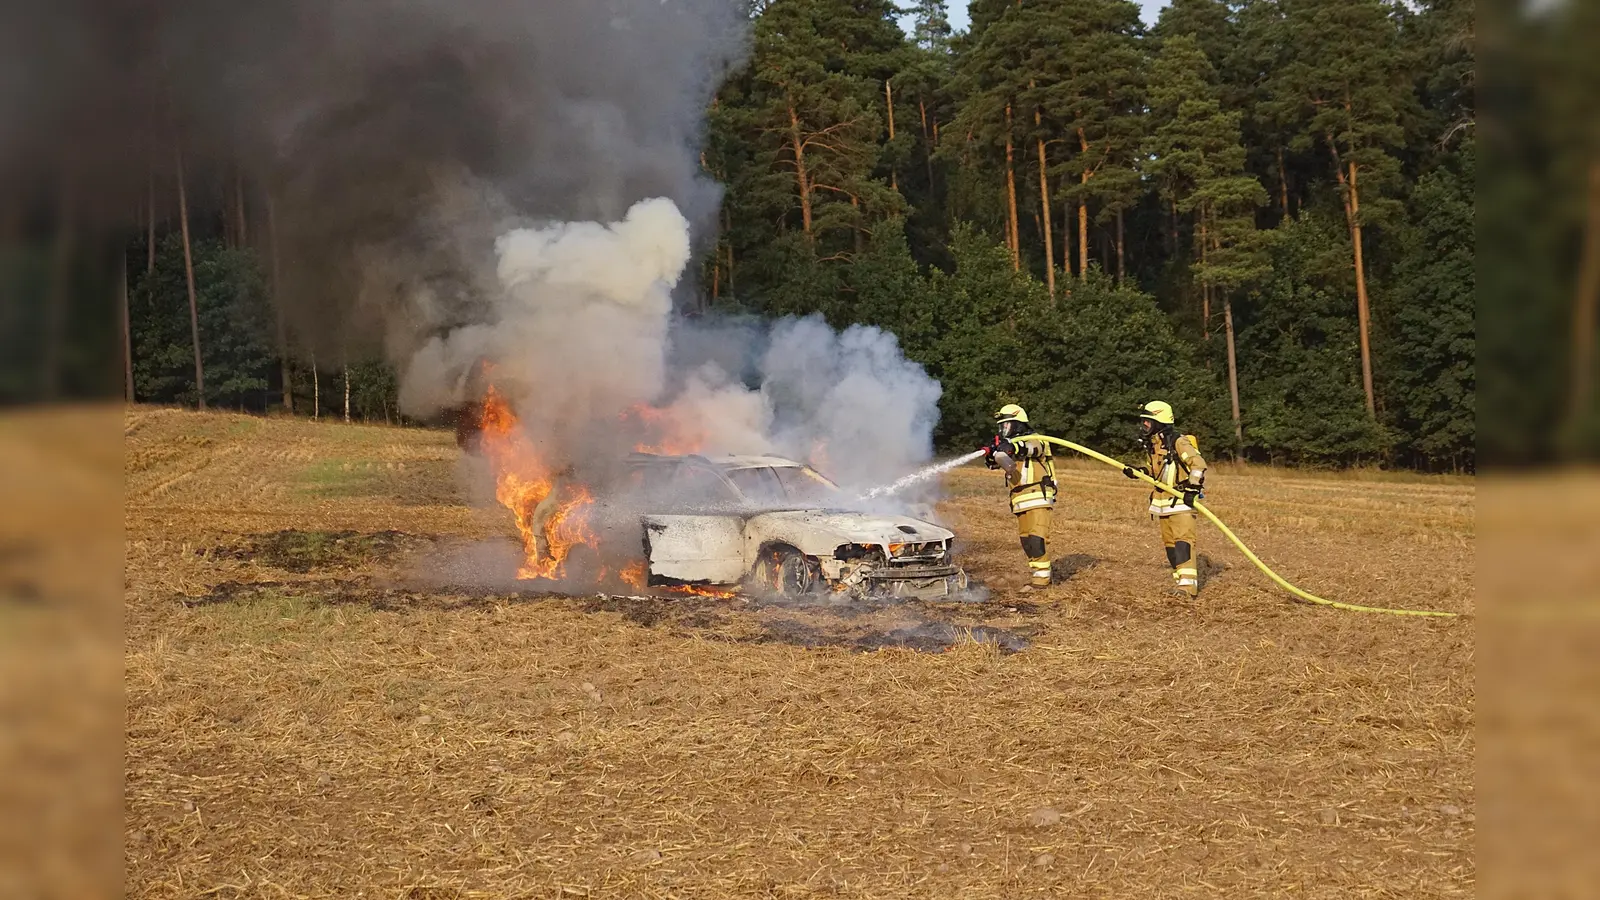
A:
x,y
524,480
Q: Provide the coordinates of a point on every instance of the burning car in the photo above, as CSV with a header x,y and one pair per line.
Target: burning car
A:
x,y
779,526
706,524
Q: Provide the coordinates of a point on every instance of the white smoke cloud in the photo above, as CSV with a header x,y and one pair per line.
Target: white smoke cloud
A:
x,y
579,328
851,397
582,334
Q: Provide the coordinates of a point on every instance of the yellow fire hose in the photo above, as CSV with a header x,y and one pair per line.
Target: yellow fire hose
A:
x,y
1249,554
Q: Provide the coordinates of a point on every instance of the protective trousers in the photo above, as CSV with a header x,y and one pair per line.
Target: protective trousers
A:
x,y
1033,527
1177,534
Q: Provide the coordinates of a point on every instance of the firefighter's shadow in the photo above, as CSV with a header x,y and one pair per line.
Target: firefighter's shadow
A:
x,y
1067,567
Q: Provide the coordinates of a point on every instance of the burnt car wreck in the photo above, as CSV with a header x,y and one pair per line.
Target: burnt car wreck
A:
x,y
774,525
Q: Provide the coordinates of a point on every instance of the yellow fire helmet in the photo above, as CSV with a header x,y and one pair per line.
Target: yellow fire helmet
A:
x,y
1011,413
1158,411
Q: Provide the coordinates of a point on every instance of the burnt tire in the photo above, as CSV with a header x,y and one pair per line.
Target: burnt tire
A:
x,y
787,571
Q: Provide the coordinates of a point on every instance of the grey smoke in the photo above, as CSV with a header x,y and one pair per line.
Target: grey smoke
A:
x,y
396,138
852,397
580,331
456,181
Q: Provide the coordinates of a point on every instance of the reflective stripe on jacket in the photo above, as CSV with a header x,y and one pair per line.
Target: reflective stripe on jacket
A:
x,y
1172,468
1033,477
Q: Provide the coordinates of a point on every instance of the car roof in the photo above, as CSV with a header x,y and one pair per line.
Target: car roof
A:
x,y
752,462
722,462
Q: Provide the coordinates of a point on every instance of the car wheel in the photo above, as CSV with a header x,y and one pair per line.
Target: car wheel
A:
x,y
788,572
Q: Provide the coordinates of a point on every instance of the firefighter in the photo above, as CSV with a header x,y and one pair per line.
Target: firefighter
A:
x,y
1174,458
1031,476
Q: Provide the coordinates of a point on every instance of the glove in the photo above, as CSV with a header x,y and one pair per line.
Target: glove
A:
x,y
1134,473
1191,493
990,449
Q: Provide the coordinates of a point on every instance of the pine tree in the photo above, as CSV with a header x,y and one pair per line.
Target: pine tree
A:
x,y
991,79
1345,77
923,90
1088,62
810,116
930,29
1433,385
1253,69
1193,153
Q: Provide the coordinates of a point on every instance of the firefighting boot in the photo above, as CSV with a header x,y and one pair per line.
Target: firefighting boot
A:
x,y
1039,573
1038,561
1185,576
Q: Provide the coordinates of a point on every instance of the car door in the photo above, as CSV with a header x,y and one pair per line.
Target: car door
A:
x,y
697,546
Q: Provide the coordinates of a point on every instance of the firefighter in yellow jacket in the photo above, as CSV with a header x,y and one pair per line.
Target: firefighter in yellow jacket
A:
x,y
1031,477
1174,458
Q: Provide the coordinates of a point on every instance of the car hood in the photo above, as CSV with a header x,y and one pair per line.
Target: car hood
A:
x,y
819,531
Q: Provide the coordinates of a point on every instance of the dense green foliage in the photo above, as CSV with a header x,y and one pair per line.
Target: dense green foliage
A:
x,y
1060,207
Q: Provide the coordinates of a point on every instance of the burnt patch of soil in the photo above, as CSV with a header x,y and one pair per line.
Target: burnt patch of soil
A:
x,y
303,552
341,592
908,625
651,612
924,636
937,637
1065,567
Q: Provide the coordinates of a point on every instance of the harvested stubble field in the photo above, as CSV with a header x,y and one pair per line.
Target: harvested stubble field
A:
x,y
304,720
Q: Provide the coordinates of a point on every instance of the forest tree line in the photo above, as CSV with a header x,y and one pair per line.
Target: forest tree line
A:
x,y
1261,210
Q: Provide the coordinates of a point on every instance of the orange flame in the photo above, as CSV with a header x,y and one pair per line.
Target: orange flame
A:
x,y
524,480
700,591
636,575
662,433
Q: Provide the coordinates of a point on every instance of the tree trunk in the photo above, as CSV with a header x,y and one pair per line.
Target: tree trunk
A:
x,y
1069,213
127,330
888,102
347,392
1283,184
1083,212
1044,219
1233,368
150,225
277,308
727,228
1015,237
188,272
1363,309
241,226
716,273
798,147
1173,225
1083,237
316,388
1205,281
927,143
1585,303
1122,271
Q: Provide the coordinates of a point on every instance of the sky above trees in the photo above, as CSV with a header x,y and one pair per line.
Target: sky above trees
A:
x,y
1149,10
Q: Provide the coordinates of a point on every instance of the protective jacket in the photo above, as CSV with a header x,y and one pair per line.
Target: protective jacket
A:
x,y
1031,474
1181,462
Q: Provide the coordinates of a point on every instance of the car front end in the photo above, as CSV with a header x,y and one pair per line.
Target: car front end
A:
x,y
871,555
